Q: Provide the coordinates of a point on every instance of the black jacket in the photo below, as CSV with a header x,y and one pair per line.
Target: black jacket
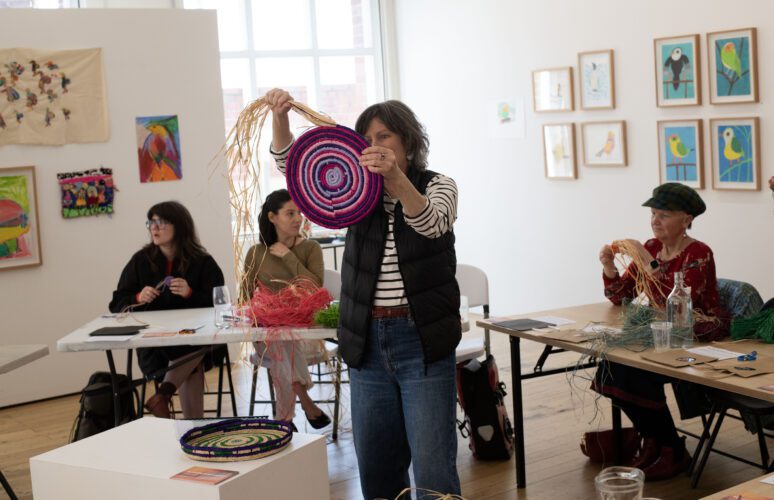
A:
x,y
427,266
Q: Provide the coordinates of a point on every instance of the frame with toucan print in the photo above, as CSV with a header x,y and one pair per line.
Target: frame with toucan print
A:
x,y
678,71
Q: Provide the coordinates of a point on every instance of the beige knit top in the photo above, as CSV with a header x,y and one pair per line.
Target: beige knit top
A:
x,y
304,259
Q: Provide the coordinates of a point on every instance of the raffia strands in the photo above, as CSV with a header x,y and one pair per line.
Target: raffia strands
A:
x,y
435,495
292,306
244,171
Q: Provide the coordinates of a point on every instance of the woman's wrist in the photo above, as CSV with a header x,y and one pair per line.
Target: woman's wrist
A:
x,y
610,271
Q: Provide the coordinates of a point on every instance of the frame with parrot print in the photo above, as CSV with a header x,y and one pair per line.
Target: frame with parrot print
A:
x,y
604,143
559,151
736,156
19,229
678,71
552,90
596,75
733,66
681,152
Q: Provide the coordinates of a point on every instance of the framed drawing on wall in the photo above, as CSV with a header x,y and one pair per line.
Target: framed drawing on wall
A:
x,y
681,152
604,143
19,233
733,66
735,154
559,150
552,89
597,83
678,74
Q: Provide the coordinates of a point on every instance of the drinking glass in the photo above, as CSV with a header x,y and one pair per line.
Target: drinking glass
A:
x,y
619,483
221,301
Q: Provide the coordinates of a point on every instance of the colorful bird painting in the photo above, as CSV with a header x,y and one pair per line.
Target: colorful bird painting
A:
x,y
159,155
676,62
609,146
678,149
730,59
13,225
733,148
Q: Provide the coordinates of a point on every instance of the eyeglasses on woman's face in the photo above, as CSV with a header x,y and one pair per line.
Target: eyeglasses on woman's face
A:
x,y
159,223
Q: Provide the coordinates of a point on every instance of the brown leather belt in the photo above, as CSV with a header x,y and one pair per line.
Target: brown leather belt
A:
x,y
378,312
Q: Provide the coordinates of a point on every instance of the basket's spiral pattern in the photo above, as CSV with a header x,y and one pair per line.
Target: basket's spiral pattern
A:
x,y
236,439
326,180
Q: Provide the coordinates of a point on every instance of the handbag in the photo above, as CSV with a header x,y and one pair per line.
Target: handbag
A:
x,y
599,446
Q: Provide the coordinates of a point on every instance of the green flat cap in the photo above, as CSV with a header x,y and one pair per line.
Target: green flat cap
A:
x,y
675,196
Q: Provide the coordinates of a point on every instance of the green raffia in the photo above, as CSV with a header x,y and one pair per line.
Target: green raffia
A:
x,y
759,326
328,317
636,327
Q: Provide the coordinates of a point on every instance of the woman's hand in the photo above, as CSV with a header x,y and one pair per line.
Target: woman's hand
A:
x,y
607,257
382,161
179,286
148,295
278,101
279,250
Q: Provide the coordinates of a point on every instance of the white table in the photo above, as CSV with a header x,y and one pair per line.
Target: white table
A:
x,y
12,357
137,460
173,320
15,356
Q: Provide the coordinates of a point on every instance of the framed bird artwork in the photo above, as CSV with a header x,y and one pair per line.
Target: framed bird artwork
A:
x,y
736,156
552,89
604,143
19,230
158,148
681,152
597,83
559,150
678,71
733,66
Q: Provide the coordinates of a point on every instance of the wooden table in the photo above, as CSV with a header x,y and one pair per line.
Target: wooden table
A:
x,y
12,357
751,486
174,320
611,315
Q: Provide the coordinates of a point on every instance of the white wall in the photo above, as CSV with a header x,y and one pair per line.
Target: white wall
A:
x,y
155,62
538,239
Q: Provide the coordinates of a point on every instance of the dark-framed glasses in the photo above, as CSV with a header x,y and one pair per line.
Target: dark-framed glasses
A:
x,y
159,223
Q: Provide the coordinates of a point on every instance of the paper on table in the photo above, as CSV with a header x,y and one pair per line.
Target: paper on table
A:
x,y
714,352
110,338
600,328
554,320
768,479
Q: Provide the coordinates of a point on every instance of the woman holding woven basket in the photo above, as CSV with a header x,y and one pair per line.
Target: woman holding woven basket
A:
x,y
640,394
399,314
282,256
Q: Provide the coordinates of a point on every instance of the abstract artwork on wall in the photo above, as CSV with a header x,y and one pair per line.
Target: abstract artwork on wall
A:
x,y
597,84
19,235
678,75
158,148
86,193
604,143
733,66
735,154
681,152
552,89
52,97
559,150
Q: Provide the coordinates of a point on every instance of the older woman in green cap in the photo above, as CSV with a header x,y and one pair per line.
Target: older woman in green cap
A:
x,y
640,394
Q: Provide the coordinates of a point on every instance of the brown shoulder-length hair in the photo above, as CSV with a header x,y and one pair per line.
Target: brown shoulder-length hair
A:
x,y
187,246
399,118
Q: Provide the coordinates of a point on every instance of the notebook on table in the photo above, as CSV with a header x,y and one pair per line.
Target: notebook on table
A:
x,y
523,325
117,330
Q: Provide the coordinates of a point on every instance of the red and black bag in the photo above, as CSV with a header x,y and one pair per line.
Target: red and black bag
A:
x,y
486,423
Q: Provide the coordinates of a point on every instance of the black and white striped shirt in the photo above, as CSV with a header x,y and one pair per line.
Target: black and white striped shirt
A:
x,y
435,220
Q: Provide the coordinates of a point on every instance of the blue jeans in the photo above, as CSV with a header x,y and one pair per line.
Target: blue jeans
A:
x,y
403,412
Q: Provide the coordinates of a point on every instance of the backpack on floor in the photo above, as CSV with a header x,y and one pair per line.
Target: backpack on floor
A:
x,y
96,413
486,423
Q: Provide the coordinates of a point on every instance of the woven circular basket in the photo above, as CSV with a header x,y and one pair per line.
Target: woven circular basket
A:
x,y
326,181
236,439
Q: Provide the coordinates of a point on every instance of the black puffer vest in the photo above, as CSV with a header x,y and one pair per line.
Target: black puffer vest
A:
x,y
428,268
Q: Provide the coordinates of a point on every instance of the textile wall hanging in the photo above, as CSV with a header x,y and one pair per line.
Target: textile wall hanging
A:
x,y
19,237
52,97
158,148
86,193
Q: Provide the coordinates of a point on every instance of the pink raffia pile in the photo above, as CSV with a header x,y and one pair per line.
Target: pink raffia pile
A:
x,y
294,305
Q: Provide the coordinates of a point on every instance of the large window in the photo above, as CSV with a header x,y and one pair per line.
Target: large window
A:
x,y
326,53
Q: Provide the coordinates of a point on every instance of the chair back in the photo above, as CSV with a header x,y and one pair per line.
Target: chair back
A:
x,y
739,298
332,282
473,284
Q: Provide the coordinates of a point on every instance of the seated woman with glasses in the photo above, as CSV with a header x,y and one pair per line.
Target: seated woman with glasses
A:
x,y
173,271
283,255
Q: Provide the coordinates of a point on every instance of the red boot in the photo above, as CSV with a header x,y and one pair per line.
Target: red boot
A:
x,y
648,454
668,465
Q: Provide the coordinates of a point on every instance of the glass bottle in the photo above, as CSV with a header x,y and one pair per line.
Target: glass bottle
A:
x,y
680,314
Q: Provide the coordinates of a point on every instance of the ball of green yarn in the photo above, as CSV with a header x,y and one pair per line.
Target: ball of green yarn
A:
x,y
328,317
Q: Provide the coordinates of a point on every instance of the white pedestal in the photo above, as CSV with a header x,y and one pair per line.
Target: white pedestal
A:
x,y
138,459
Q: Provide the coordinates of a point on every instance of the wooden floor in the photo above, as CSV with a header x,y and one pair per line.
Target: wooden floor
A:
x,y
558,410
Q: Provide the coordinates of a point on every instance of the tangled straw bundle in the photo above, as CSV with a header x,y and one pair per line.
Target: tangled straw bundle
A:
x,y
293,305
244,169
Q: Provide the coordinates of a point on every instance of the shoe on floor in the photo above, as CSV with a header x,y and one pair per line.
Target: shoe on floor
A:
x,y
320,421
159,405
648,454
666,465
